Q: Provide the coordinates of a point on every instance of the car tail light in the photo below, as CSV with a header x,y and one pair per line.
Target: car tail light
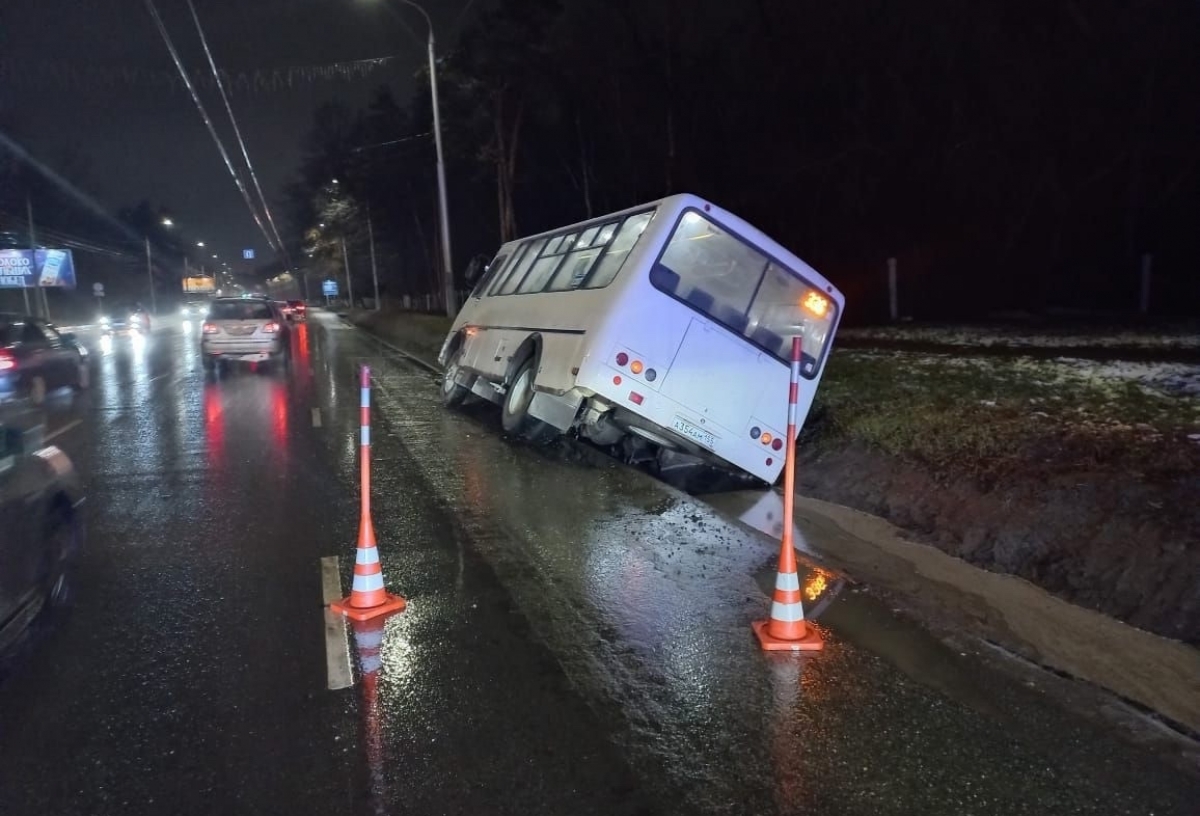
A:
x,y
7,361
210,328
270,328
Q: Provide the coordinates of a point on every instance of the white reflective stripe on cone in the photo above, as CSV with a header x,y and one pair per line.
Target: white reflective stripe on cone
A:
x,y
786,612
366,398
366,435
370,640
370,555
783,580
368,583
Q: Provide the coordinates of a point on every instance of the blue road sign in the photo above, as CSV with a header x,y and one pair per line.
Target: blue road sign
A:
x,y
248,254
329,288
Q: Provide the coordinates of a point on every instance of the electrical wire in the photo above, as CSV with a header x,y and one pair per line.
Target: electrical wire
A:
x,y
212,63
162,30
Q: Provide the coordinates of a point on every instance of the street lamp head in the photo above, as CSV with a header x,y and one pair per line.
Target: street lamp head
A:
x,y
335,181
320,226
167,222
200,243
214,257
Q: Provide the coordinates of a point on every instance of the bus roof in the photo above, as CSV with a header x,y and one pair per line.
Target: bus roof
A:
x,y
679,202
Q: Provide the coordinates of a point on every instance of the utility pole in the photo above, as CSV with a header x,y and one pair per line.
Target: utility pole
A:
x,y
374,269
346,266
32,248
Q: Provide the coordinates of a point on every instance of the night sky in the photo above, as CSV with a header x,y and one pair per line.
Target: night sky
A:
x,y
137,139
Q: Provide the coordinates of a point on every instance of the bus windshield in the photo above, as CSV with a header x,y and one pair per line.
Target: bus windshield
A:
x,y
719,274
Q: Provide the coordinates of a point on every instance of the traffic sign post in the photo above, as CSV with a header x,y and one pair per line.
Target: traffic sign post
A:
x,y
98,291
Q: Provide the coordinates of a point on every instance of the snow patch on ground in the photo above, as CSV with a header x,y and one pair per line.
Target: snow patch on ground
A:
x,y
1020,337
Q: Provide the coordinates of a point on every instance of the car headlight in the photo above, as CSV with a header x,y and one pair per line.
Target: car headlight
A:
x,y
105,321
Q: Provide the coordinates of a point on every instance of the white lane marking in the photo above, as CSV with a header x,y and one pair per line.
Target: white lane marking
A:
x,y
74,423
337,647
316,417
331,580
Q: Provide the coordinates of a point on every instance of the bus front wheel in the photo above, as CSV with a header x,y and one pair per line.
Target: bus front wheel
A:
x,y
453,394
514,415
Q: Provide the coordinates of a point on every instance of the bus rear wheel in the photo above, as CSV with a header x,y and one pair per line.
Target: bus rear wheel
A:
x,y
514,415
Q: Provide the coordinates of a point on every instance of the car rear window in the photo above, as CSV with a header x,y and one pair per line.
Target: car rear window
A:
x,y
239,310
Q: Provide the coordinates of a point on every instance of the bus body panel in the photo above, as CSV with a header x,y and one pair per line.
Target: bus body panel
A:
x,y
711,385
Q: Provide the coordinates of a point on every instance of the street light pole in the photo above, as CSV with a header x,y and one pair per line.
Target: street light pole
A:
x,y
150,275
374,269
443,206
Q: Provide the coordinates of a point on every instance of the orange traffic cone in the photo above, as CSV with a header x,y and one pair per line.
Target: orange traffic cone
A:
x,y
786,629
368,599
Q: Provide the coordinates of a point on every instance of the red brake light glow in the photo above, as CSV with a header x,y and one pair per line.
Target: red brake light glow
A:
x,y
270,328
7,362
210,328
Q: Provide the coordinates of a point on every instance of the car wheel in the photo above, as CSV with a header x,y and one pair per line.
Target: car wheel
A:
x,y
453,394
514,415
84,379
59,545
37,390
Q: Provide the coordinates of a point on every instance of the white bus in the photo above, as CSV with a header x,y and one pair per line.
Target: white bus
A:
x,y
665,327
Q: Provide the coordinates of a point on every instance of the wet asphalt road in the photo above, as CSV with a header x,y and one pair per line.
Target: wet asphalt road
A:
x,y
577,638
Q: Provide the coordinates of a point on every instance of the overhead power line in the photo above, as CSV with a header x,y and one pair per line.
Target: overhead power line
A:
x,y
237,179
212,63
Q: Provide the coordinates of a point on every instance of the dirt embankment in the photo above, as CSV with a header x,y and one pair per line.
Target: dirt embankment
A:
x,y
1113,542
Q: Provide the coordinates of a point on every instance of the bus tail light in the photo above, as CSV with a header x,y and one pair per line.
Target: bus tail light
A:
x,y
635,398
777,444
617,379
651,375
766,438
636,366
622,359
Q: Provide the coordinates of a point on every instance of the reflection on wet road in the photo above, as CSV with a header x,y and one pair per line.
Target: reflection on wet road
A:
x,y
577,638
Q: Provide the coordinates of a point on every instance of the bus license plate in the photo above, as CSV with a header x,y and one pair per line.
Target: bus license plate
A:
x,y
693,433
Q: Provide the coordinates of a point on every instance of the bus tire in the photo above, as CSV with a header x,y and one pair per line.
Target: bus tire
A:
x,y
514,414
453,394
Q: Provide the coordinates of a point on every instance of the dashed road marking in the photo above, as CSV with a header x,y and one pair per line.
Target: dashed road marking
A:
x,y
316,417
337,649
75,423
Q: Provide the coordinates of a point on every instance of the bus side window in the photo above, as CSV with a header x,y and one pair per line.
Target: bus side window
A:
x,y
493,270
513,278
610,264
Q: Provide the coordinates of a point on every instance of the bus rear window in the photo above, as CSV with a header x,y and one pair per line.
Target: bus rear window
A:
x,y
722,276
